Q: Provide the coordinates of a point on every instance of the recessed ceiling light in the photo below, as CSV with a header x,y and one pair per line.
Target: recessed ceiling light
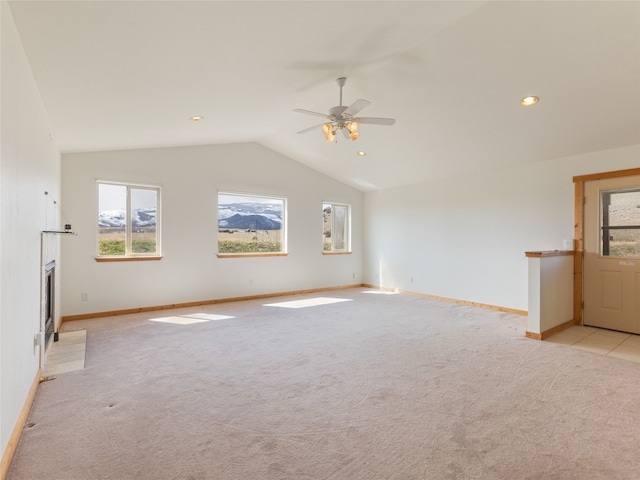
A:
x,y
362,154
196,118
528,101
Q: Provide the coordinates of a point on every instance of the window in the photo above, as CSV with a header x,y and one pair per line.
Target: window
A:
x,y
251,224
335,228
620,217
128,220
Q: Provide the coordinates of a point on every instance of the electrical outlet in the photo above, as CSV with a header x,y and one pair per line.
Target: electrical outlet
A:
x,y
354,275
411,279
84,296
251,281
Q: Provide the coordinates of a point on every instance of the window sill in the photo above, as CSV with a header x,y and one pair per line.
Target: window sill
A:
x,y
336,253
243,255
128,259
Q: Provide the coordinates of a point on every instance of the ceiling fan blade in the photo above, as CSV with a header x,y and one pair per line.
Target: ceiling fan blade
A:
x,y
356,106
376,120
345,132
309,112
306,130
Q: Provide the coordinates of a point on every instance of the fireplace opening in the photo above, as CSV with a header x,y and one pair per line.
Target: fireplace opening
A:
x,y
49,301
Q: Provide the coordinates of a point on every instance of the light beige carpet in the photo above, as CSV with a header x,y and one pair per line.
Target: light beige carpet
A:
x,y
377,387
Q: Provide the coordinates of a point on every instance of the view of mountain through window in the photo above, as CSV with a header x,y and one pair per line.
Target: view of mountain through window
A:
x,y
127,220
335,227
250,224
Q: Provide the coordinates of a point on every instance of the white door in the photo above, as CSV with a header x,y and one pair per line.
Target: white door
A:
x,y
612,254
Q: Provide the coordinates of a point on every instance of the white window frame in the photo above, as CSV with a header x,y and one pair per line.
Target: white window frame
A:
x,y
347,229
284,224
129,254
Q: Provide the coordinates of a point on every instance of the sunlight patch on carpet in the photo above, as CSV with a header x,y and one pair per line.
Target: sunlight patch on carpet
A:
x,y
308,302
191,318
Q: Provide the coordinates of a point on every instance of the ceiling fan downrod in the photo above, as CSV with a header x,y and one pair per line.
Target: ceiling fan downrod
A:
x,y
341,81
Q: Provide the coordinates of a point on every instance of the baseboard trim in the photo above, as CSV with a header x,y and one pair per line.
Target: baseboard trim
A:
x,y
486,306
7,456
127,311
552,331
88,316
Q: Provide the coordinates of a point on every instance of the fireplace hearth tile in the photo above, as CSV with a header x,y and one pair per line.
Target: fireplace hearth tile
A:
x,y
67,354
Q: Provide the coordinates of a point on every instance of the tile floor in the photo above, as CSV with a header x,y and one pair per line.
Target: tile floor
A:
x,y
67,354
603,342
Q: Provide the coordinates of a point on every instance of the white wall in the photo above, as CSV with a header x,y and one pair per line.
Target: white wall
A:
x,y
464,238
190,271
29,166
550,292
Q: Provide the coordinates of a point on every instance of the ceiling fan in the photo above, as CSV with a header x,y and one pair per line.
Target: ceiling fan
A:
x,y
343,118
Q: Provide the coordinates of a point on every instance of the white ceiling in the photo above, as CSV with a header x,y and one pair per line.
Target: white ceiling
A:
x,y
130,74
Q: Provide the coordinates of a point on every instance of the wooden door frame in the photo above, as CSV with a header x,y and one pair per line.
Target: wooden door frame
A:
x,y
578,235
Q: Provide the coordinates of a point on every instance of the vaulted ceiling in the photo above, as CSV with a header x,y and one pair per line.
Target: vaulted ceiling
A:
x,y
130,74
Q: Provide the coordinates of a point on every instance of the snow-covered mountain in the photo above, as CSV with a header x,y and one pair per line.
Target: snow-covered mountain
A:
x,y
250,215
144,217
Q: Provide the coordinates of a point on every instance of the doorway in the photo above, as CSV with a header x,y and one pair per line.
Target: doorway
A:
x,y
608,250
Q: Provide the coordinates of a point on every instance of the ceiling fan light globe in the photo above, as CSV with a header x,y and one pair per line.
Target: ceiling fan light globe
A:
x,y
326,128
353,126
354,135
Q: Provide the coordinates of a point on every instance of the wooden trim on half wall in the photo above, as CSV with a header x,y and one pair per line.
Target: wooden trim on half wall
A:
x,y
551,331
549,253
